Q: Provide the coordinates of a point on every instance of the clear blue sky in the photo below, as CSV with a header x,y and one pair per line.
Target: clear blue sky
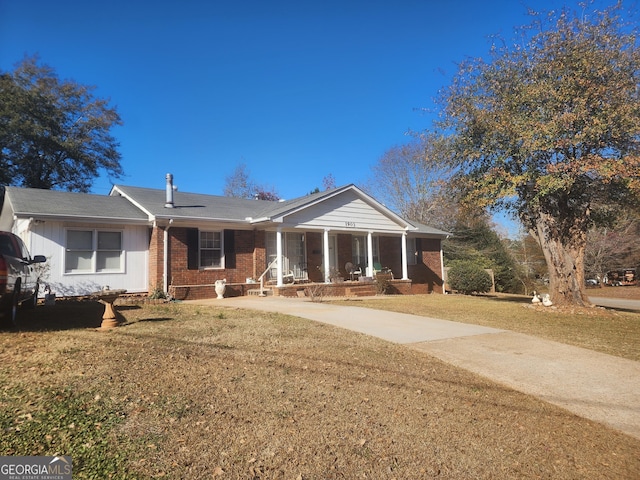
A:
x,y
296,90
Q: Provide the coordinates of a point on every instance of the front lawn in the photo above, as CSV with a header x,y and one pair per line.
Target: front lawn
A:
x,y
185,391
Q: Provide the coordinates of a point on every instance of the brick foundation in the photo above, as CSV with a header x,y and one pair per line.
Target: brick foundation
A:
x,y
343,289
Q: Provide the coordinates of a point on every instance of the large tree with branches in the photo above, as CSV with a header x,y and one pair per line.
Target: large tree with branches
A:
x,y
54,134
549,128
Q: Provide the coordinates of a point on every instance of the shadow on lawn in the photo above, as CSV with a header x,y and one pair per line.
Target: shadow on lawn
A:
x,y
64,315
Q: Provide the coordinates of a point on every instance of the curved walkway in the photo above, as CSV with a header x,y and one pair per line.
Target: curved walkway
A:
x,y
593,385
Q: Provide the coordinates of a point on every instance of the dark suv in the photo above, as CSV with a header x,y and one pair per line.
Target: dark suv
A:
x,y
18,281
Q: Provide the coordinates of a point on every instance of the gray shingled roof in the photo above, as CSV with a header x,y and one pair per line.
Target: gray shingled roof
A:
x,y
37,203
427,230
195,205
27,202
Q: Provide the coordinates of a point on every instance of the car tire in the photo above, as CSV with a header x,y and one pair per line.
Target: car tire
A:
x,y
12,313
33,300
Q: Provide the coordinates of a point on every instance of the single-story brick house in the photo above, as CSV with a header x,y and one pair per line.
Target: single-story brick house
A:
x,y
143,239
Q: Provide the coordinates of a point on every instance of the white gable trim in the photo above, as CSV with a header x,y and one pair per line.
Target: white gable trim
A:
x,y
116,191
298,212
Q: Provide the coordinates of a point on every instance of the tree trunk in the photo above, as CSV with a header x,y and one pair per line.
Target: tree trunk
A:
x,y
563,246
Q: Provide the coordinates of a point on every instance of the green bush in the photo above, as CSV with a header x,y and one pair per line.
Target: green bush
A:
x,y
468,277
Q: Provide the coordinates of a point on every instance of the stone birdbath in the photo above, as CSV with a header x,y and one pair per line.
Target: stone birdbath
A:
x,y
107,297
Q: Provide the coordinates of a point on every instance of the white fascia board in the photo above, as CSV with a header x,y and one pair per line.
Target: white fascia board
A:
x,y
117,190
80,218
201,222
263,219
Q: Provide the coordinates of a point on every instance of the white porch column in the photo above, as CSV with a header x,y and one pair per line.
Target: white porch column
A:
x,y
369,254
442,268
326,256
405,268
279,275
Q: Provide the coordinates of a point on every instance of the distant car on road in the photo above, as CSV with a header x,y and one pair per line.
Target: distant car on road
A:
x,y
18,281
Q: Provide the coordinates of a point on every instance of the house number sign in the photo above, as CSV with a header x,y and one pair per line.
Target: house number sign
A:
x,y
350,224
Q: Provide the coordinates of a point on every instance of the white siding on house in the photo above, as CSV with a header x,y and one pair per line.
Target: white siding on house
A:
x,y
48,238
346,211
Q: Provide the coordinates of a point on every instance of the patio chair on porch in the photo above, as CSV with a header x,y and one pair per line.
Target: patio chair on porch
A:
x,y
299,274
378,268
354,271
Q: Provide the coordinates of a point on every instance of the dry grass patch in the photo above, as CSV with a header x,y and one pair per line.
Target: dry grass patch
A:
x,y
184,391
604,330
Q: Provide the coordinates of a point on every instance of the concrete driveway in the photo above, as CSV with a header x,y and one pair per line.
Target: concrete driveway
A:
x,y
621,303
593,385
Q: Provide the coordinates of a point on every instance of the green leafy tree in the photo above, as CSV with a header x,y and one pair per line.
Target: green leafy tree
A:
x,y
469,277
54,134
549,129
475,240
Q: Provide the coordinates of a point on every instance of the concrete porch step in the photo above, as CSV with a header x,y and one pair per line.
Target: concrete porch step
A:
x,y
256,292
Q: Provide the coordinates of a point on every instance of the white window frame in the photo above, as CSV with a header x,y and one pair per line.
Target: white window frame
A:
x,y
220,248
93,251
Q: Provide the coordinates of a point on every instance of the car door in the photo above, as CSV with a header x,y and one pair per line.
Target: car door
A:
x,y
28,274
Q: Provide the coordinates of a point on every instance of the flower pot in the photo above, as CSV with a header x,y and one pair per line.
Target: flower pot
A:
x,y
220,287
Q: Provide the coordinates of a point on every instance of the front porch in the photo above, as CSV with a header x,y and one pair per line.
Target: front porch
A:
x,y
380,285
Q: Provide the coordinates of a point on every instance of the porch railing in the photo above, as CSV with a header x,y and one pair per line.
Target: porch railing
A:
x,y
261,277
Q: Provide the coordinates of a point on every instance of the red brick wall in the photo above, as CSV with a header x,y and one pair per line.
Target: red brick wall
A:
x,y
156,255
426,274
345,254
391,254
428,271
260,253
245,263
179,274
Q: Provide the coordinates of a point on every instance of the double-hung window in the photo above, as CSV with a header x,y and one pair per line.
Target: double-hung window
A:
x,y
210,249
93,251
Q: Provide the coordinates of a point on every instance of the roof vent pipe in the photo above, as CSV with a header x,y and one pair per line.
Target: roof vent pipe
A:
x,y
169,198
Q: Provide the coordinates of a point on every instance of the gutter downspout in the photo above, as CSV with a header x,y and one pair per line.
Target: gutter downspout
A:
x,y
165,244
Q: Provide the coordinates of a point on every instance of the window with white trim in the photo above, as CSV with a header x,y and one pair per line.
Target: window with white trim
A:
x,y
210,249
94,251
